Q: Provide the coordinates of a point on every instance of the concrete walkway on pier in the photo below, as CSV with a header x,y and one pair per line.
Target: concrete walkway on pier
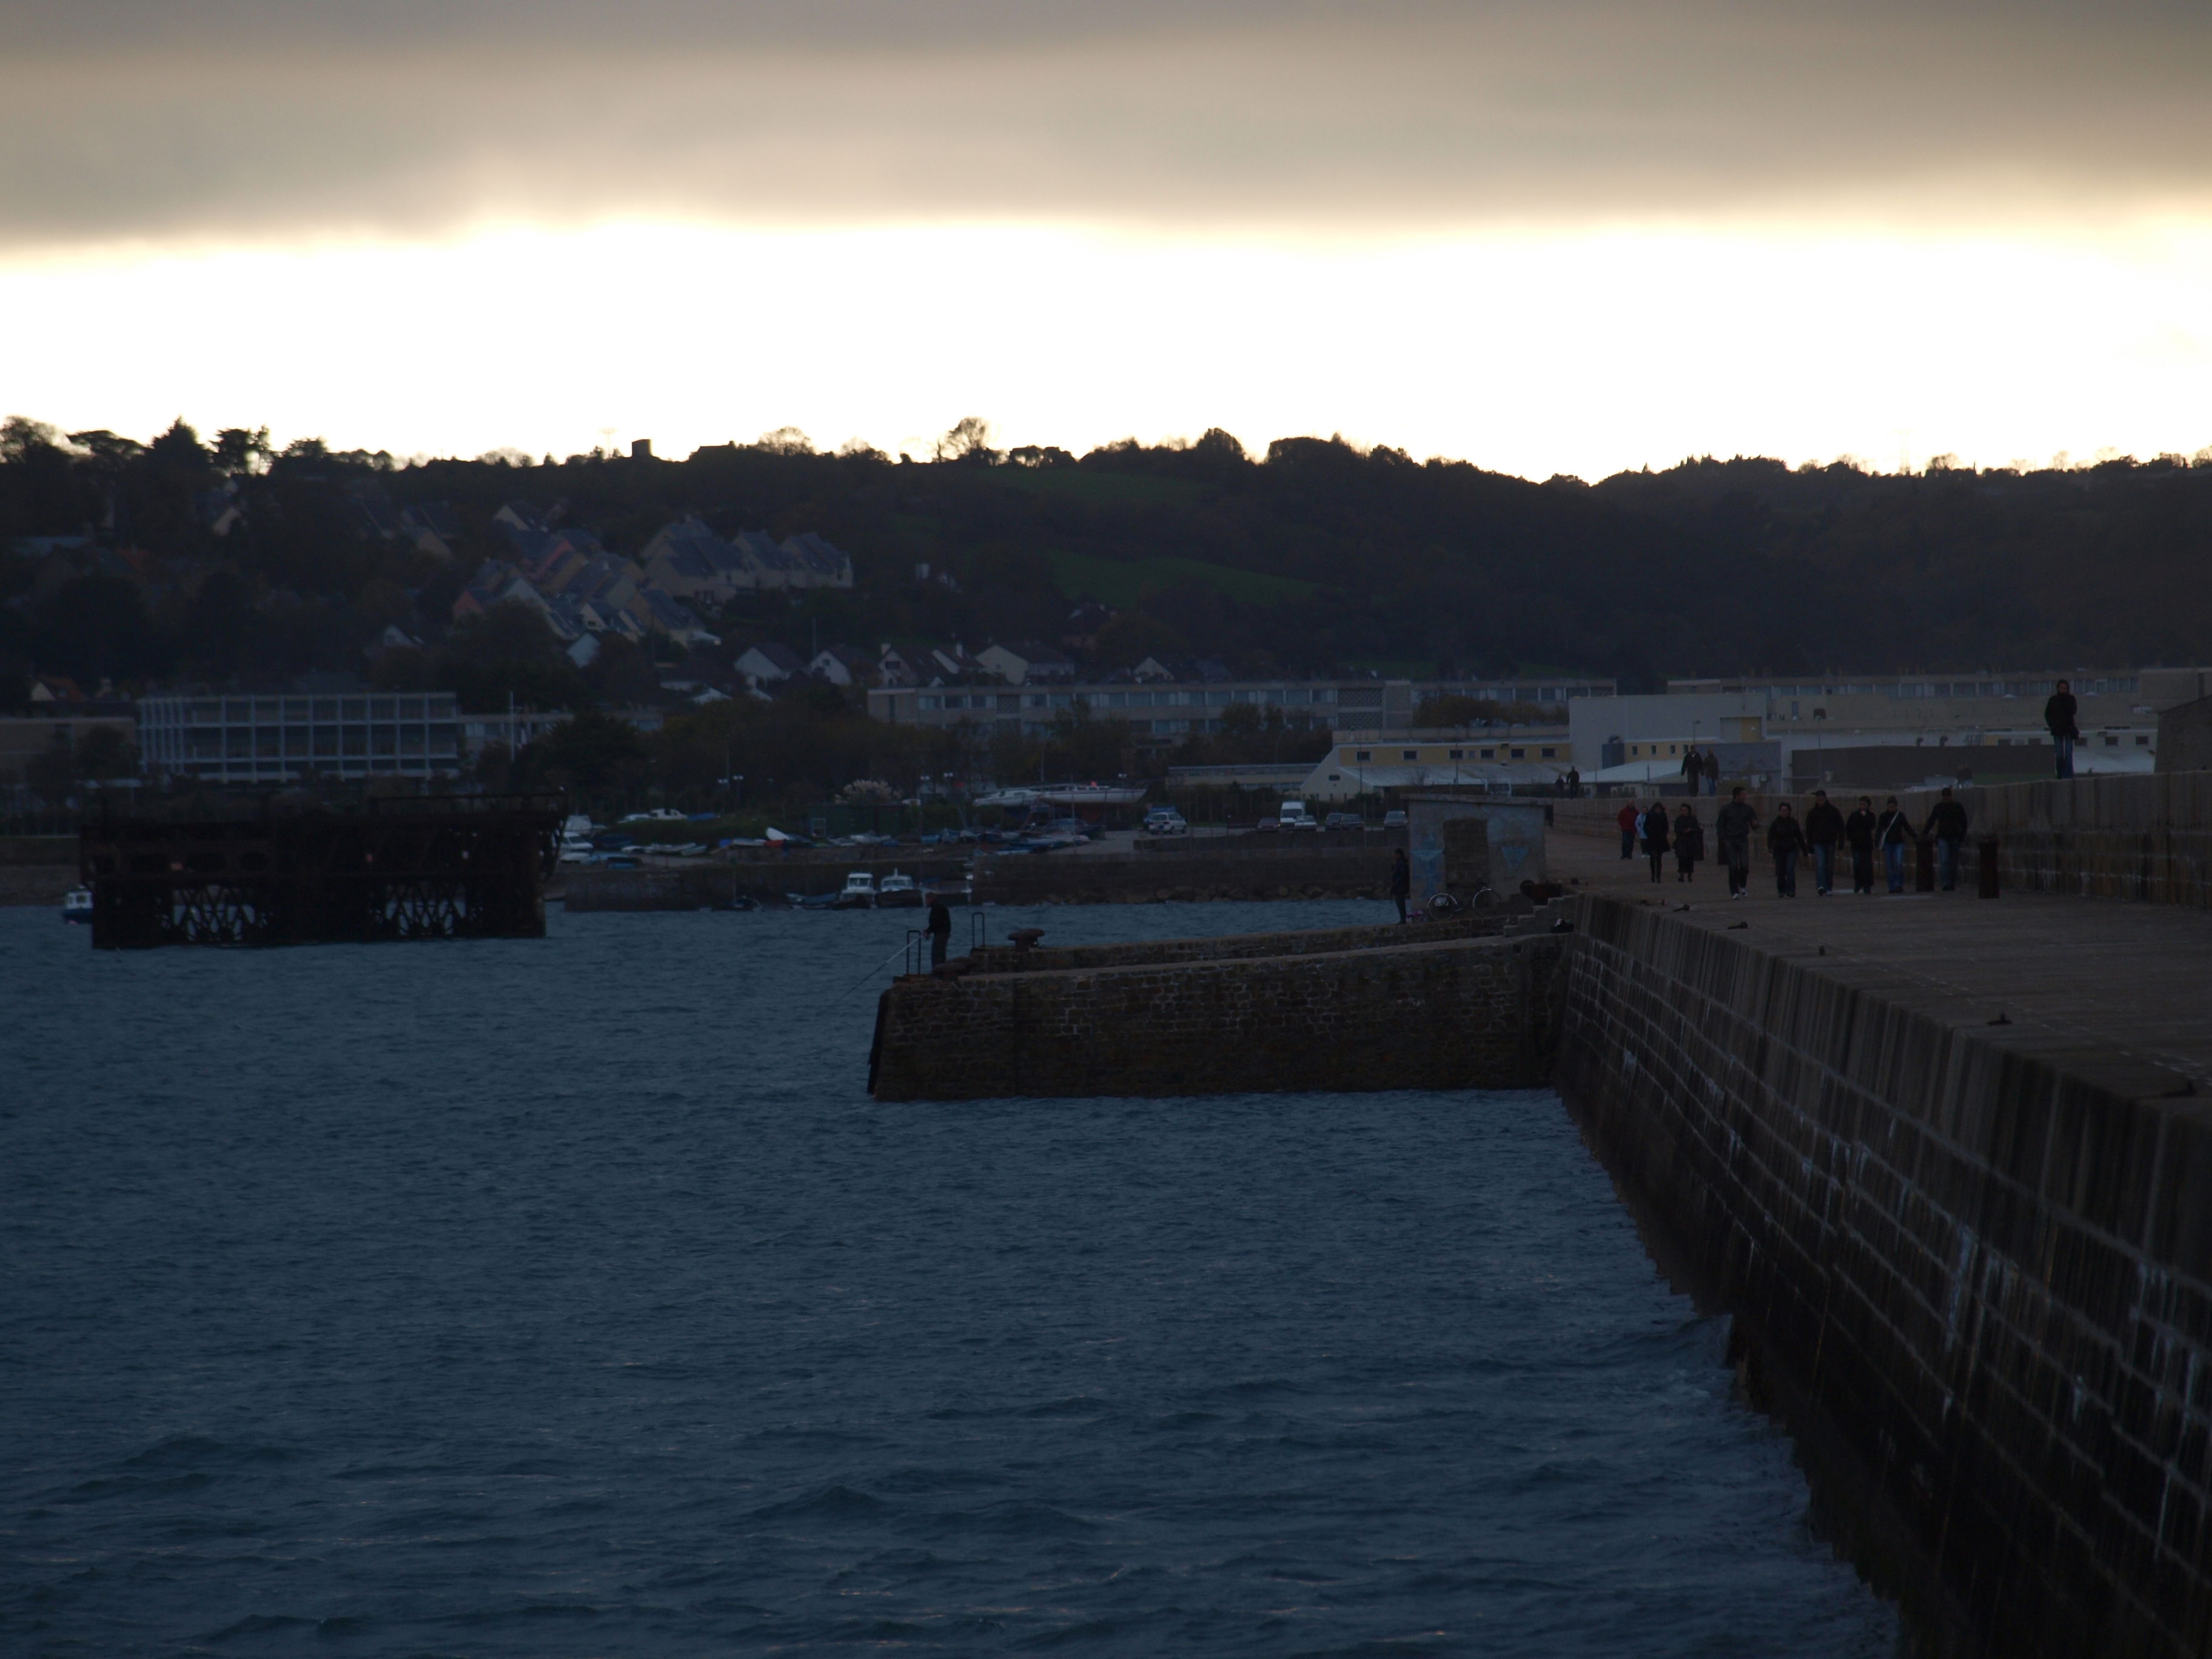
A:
x,y
2092,976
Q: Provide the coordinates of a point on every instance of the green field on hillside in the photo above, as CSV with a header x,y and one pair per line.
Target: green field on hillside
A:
x,y
1120,582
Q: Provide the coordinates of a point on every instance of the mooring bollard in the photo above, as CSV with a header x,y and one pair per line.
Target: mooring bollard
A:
x,y
1988,848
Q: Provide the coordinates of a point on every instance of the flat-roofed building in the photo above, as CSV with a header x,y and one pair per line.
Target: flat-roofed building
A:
x,y
1172,710
280,739
1366,762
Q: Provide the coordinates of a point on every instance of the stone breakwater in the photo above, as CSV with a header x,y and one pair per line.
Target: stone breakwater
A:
x,y
1454,1013
1970,1259
1979,1263
1314,873
1041,958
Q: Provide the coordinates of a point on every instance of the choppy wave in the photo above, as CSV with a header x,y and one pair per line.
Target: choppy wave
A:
x,y
572,1298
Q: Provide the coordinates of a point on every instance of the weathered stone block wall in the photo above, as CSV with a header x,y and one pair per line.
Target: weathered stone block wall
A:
x,y
1309,941
1468,1013
2184,737
1987,1265
1097,879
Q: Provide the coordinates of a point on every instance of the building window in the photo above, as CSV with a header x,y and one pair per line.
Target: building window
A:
x,y
1459,754
2142,741
1490,754
1520,754
1409,754
1551,754
2111,742
1364,754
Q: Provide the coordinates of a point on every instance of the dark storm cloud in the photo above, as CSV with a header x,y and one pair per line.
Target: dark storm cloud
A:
x,y
130,117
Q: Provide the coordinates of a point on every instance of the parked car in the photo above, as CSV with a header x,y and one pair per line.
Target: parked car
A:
x,y
1292,815
1343,821
1394,819
1268,825
1165,821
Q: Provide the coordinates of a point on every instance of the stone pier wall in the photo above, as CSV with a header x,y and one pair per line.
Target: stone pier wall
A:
x,y
1313,872
1307,941
1452,1014
1985,1264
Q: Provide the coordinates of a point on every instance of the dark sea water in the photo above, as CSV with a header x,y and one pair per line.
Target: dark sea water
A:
x,y
572,1298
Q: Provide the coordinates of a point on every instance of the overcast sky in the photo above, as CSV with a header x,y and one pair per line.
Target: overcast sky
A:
x,y
1887,228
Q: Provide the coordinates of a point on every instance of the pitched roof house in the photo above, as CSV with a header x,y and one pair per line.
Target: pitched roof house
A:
x,y
841,665
1019,664
819,564
769,664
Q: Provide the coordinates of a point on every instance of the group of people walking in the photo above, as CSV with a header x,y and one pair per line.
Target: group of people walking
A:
x,y
1819,837
1702,771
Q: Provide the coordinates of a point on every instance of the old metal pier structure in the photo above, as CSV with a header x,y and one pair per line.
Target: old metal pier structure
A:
x,y
282,871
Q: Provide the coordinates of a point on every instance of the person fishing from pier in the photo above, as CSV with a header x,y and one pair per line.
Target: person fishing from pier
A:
x,y
1401,880
1824,828
1653,827
1733,829
1892,830
1689,843
1946,822
1859,831
939,928
1785,839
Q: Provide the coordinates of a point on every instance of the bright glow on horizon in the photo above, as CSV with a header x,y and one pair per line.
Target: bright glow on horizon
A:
x,y
1528,353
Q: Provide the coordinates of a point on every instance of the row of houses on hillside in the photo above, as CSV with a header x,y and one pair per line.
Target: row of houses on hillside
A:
x,y
691,562
583,592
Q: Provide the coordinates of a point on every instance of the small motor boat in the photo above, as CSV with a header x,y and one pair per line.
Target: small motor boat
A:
x,y
898,892
859,894
77,904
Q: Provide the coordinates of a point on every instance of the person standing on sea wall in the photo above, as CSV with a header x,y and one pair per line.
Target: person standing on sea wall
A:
x,y
1626,819
1824,828
1654,826
1892,831
2058,715
1401,880
1859,832
1689,843
1733,830
1713,771
939,928
1785,839
1693,767
1946,822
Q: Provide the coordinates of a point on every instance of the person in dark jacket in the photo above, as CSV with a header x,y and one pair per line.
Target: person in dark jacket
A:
x,y
1946,822
1785,839
1824,828
1693,769
1653,824
939,928
1626,819
2058,715
1733,829
1401,880
1689,843
1859,833
1892,830
1713,771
